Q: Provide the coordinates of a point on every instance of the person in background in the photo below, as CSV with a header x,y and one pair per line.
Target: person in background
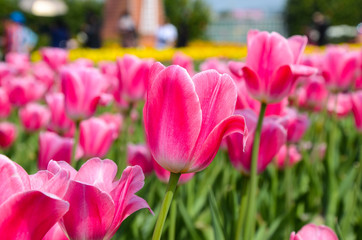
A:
x,y
320,26
127,29
59,34
18,37
92,30
166,35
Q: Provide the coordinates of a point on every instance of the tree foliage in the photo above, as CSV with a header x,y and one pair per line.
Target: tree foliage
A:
x,y
190,18
298,13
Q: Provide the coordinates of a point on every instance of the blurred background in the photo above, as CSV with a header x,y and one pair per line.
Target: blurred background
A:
x,y
171,23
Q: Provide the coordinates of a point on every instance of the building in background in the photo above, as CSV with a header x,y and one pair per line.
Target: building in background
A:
x,y
147,15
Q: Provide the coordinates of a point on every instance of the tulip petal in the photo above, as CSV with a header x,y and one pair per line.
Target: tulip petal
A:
x,y
30,215
124,197
252,82
173,118
314,232
217,95
236,68
98,173
90,214
204,155
282,83
13,178
55,233
297,45
56,166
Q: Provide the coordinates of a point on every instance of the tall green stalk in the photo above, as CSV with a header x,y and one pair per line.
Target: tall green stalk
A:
x,y
251,210
242,211
289,191
170,191
75,143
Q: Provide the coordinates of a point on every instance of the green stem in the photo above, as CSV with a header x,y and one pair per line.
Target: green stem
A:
x,y
242,211
75,144
332,197
170,191
289,191
173,214
251,210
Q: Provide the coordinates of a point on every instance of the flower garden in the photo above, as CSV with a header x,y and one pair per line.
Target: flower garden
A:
x,y
205,142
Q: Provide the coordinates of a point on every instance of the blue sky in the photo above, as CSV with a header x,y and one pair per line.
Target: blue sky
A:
x,y
267,5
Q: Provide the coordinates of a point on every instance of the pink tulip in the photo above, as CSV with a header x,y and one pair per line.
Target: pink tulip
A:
x,y
339,68
82,88
34,117
54,57
53,147
83,62
273,137
110,72
133,74
5,106
340,104
296,125
164,176
186,118
115,121
96,137
7,134
55,233
272,65
22,90
29,205
356,99
184,61
44,74
140,155
59,121
216,64
19,61
314,232
5,71
285,153
103,201
313,94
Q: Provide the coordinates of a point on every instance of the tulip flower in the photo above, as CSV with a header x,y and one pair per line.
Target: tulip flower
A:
x,y
216,64
59,121
53,147
132,74
5,70
314,232
96,137
164,176
313,94
356,99
140,155
184,61
5,105
114,121
272,65
82,62
7,134
273,137
339,68
18,61
34,117
340,104
104,202
54,57
30,205
22,90
82,88
44,74
289,153
296,125
185,120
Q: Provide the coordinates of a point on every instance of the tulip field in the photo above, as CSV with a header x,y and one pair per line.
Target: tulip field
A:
x,y
260,142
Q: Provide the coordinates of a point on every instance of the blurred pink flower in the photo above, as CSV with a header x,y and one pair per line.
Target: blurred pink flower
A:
x,y
340,104
34,117
140,155
59,121
96,137
20,62
53,147
186,118
273,137
356,99
314,232
114,121
184,61
313,94
5,106
82,89
292,154
8,134
296,125
54,57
